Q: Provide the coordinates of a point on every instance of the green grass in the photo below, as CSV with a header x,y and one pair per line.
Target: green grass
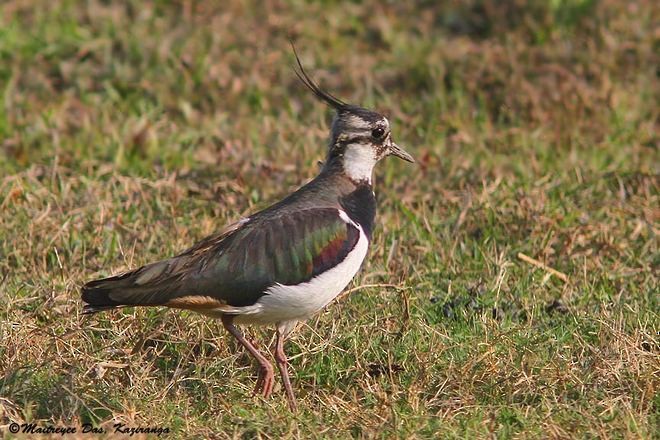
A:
x,y
129,131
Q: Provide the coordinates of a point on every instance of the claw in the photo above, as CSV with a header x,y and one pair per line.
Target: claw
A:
x,y
265,381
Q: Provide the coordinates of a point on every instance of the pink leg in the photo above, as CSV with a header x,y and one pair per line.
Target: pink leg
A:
x,y
282,365
266,373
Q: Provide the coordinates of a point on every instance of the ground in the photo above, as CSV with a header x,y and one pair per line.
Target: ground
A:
x,y
512,285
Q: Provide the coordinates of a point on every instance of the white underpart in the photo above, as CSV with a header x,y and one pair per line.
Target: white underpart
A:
x,y
359,161
283,303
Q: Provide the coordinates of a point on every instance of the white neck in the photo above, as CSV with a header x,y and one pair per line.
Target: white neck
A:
x,y
359,162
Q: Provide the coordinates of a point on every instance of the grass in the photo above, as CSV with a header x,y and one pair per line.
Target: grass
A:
x,y
128,131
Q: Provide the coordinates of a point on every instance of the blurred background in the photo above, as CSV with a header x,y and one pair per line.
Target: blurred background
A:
x,y
182,81
128,130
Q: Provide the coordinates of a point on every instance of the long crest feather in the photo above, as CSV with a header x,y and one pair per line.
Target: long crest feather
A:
x,y
328,98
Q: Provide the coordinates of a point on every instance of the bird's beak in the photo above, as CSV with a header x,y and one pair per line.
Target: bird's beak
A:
x,y
399,152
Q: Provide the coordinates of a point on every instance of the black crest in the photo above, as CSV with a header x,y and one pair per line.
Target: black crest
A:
x,y
328,98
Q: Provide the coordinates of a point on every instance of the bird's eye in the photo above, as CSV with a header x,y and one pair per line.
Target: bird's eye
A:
x,y
377,132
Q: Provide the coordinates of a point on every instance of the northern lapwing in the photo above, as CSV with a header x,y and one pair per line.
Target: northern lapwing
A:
x,y
280,265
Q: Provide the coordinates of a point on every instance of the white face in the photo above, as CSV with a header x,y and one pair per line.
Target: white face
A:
x,y
366,143
359,162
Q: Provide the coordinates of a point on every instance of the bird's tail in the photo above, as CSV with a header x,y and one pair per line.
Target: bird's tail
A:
x,y
150,285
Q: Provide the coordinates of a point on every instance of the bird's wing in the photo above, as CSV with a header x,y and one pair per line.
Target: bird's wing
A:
x,y
237,266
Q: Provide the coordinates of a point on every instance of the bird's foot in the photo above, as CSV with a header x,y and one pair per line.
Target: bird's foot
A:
x,y
265,381
293,405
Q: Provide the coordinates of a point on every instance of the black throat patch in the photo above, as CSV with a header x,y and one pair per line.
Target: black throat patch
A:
x,y
360,205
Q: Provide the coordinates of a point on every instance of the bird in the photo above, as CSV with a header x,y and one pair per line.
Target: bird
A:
x,y
283,264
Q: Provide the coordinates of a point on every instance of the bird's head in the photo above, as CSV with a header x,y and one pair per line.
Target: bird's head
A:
x,y
359,137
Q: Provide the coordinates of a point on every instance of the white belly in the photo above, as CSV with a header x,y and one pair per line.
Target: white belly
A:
x,y
299,302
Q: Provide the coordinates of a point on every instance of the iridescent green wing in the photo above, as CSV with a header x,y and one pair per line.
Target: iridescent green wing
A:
x,y
236,266
286,249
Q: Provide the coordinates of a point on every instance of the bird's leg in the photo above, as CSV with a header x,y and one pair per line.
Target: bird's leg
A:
x,y
266,376
283,331
262,373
